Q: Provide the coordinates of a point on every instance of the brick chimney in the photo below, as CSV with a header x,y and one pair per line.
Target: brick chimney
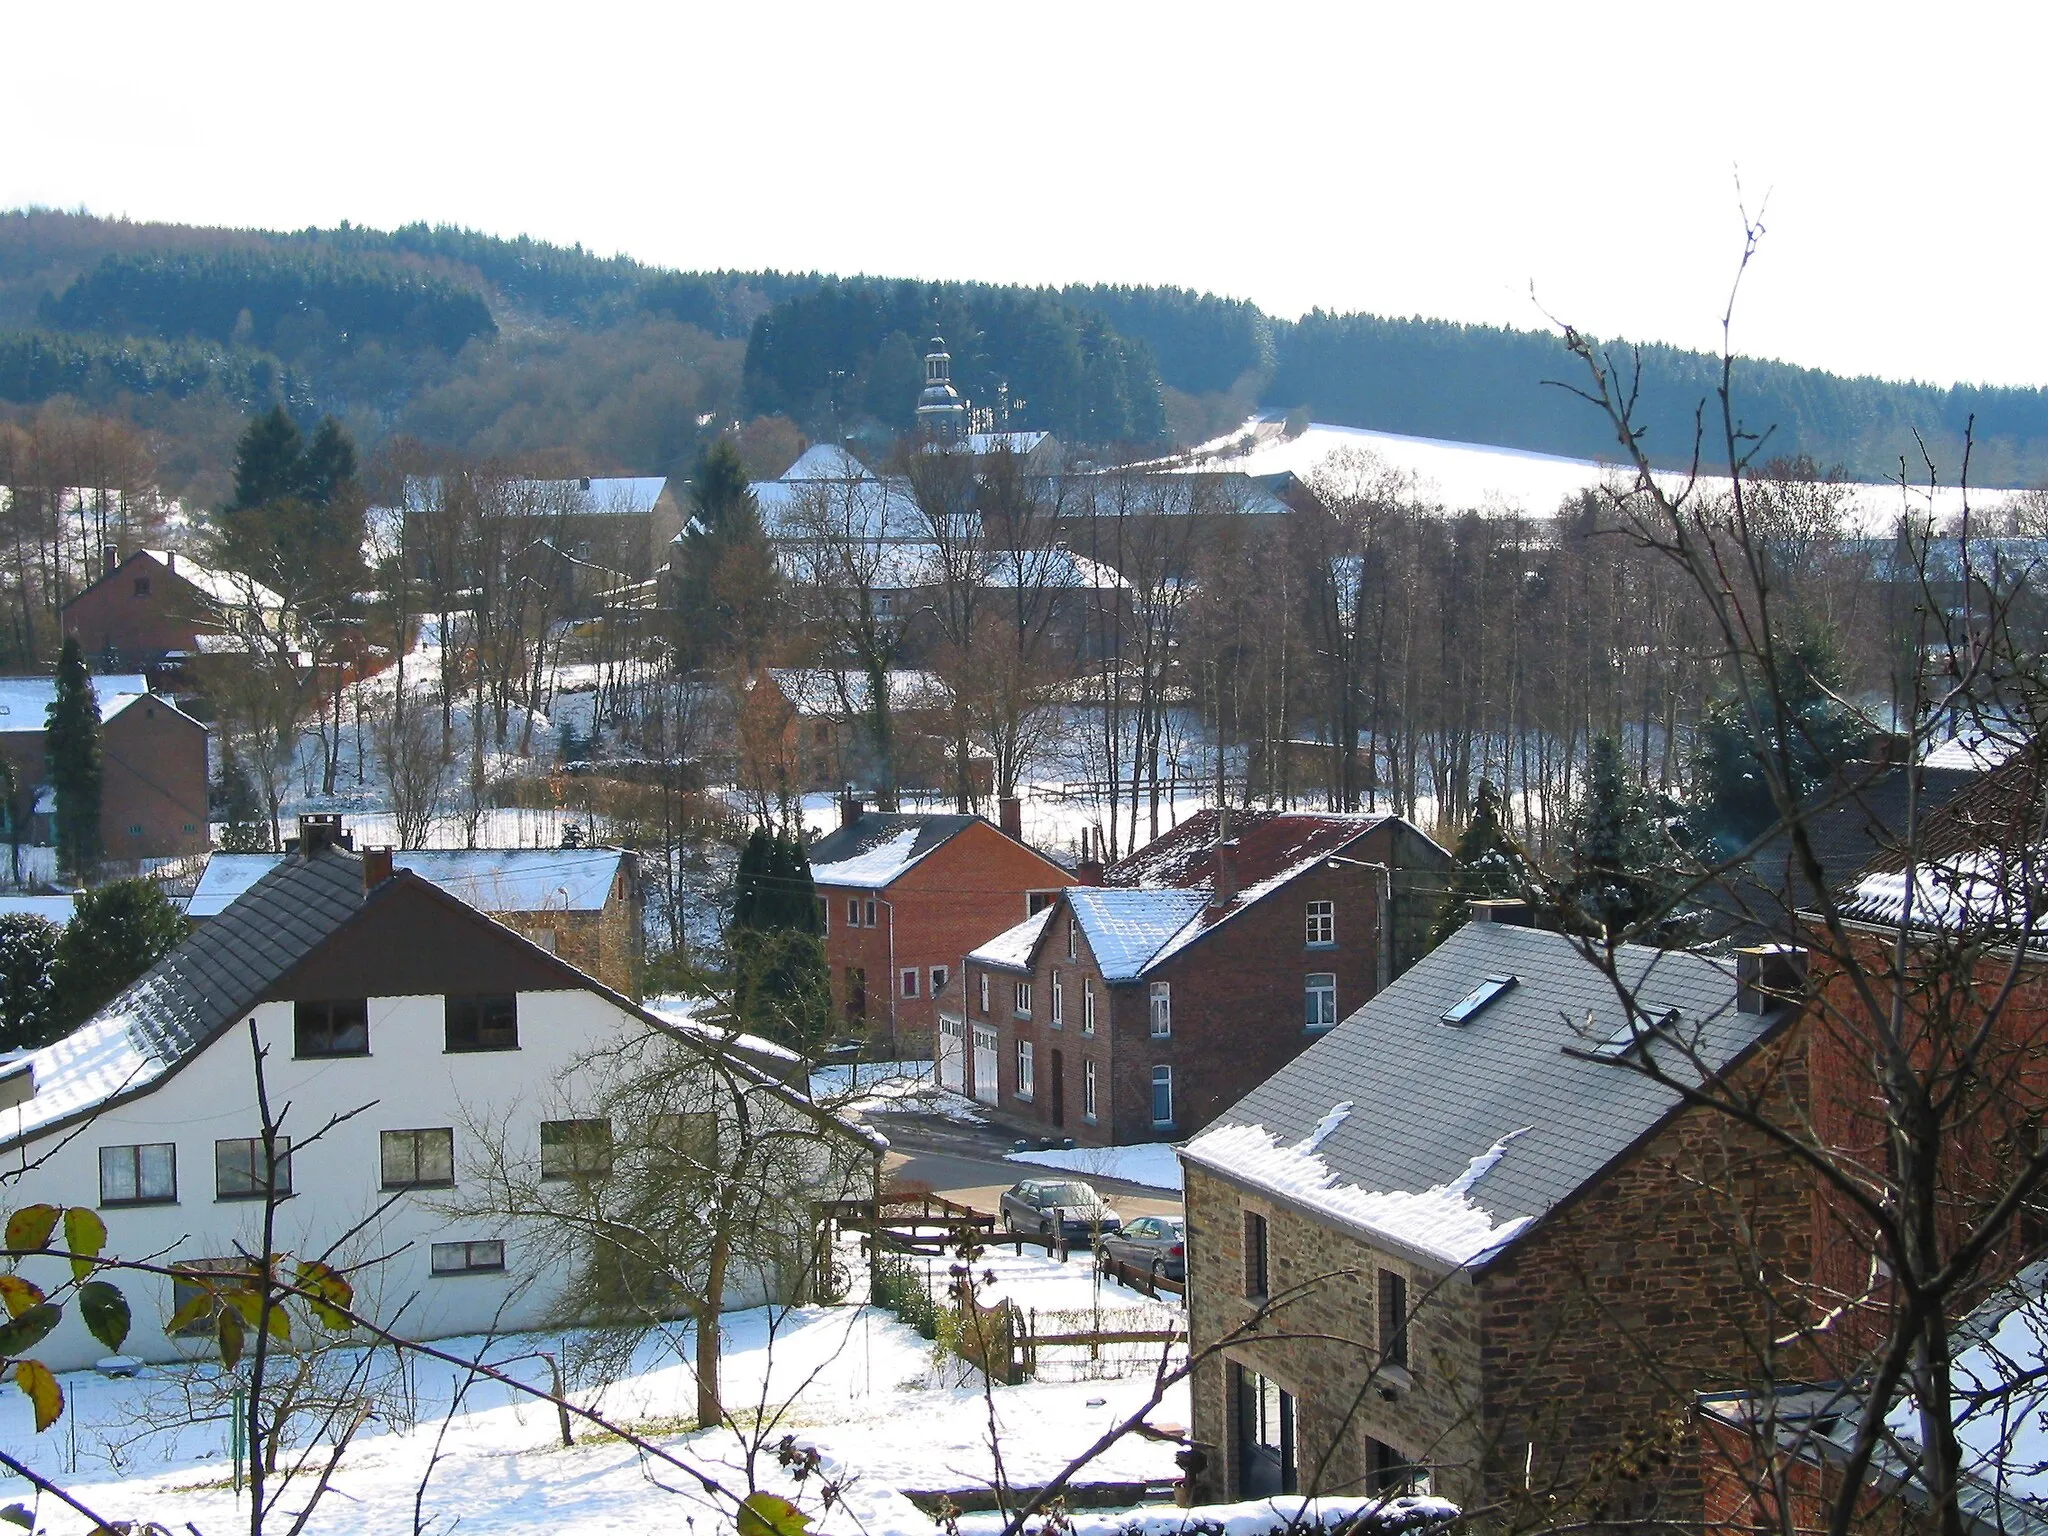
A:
x,y
318,832
376,867
1511,910
1769,976
171,561
1225,891
110,558
851,807
1088,871
1010,817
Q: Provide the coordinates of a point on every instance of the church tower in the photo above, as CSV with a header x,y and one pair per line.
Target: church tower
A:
x,y
941,413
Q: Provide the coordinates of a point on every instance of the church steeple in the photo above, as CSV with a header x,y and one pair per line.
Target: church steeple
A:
x,y
941,414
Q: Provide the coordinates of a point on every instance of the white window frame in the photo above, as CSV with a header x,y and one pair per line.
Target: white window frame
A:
x,y
1161,1006
151,1180
1087,1005
940,976
986,1050
1322,925
1088,1091
1059,1002
1071,926
1027,1070
1021,996
853,911
1162,1077
871,913
1319,1001
468,1257
984,991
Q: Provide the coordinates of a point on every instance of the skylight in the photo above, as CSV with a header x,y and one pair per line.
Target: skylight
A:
x,y
1469,1007
1645,1021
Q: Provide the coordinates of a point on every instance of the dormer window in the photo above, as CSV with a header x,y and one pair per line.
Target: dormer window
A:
x,y
1475,1002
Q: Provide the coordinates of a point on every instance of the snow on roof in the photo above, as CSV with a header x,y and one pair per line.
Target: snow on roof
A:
x,y
818,691
489,879
990,442
875,866
229,589
1444,1221
696,1015
1992,888
93,1063
624,495
862,507
1126,928
1267,843
824,461
25,701
1012,947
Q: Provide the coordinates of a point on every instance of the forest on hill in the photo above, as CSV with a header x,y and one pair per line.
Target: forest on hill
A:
x,y
519,348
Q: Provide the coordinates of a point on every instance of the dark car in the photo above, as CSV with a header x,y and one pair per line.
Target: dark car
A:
x,y
1039,1205
1152,1245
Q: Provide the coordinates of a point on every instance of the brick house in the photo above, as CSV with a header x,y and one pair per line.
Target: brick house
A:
x,y
157,609
905,895
153,783
582,905
1473,1228
1137,1013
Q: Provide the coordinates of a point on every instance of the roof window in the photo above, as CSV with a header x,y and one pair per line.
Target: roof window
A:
x,y
1644,1021
1475,1002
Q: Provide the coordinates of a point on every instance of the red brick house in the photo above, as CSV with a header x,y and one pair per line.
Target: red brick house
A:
x,y
1137,1012
1461,1243
905,894
157,609
153,792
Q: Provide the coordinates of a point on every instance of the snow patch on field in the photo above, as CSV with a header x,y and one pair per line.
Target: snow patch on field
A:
x,y
1254,1517
1155,1164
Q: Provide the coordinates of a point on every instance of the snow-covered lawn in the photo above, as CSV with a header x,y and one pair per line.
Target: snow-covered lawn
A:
x,y
1153,1163
849,1381
891,1087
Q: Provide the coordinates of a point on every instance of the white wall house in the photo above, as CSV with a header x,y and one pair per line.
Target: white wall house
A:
x,y
450,1041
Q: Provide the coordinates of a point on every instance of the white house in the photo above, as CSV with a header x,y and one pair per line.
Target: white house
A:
x,y
378,996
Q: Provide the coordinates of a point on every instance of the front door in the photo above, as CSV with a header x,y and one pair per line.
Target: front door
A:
x,y
952,1054
1059,1089
1265,1436
985,1064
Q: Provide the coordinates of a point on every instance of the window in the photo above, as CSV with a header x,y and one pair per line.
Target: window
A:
x,y
337,1027
1059,1001
1389,1472
1255,1256
1088,1090
239,1171
1393,1318
1468,1007
1026,1069
871,911
853,911
142,586
140,1175
1023,997
483,1022
575,1149
1162,1009
856,992
1070,940
824,915
417,1159
1319,997
690,1137
1036,902
209,1277
1087,1006
910,981
1162,1095
940,976
135,829
885,604
1322,924
984,991
480,1258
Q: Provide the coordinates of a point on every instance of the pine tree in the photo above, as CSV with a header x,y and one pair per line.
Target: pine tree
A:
x,y
725,570
267,467
28,953
72,741
328,464
1487,862
244,826
780,982
118,932
1623,865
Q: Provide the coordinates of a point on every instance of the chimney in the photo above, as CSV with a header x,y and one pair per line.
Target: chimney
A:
x,y
1501,909
1768,976
850,807
1089,870
318,832
110,558
1010,817
171,561
376,867
1225,891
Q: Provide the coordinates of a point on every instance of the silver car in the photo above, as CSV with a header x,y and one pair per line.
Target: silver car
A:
x,y
1150,1245
1072,1205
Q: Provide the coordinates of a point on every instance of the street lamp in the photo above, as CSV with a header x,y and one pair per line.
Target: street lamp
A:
x,y
1384,967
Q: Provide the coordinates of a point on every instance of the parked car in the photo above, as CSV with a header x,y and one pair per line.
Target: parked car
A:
x,y
1151,1245
1038,1205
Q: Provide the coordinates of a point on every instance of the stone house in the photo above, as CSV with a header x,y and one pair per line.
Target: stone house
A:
x,y
905,894
1460,1242
583,905
1139,1011
153,783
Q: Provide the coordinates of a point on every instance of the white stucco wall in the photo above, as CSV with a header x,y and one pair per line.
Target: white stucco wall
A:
x,y
410,1081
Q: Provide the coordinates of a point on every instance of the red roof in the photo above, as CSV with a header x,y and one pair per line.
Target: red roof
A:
x,y
1269,843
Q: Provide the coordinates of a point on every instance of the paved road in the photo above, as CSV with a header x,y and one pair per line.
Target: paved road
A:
x,y
966,1164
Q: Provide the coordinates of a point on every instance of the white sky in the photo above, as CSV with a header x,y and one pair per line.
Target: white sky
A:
x,y
1415,158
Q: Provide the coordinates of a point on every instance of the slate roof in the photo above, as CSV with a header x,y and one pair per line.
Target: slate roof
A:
x,y
1430,1102
1268,843
1012,947
1127,929
489,879
880,846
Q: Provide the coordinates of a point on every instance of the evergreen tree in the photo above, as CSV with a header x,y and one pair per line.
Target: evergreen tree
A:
x,y
1487,862
780,983
28,953
725,571
267,461
245,828
72,741
328,464
1623,865
118,932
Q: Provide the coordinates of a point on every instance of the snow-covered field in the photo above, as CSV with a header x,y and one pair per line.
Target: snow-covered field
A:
x,y
1152,1163
849,1381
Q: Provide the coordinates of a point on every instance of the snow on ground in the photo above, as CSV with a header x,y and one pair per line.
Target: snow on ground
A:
x,y
891,1087
1153,1164
850,1381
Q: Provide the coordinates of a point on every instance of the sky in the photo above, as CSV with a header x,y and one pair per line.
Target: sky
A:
x,y
1512,164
